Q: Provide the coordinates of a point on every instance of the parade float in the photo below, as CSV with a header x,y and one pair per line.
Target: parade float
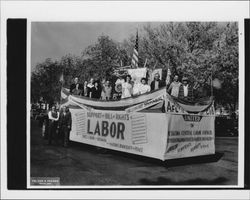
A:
x,y
154,124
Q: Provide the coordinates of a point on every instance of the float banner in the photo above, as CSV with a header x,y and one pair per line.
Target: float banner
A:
x,y
189,134
137,74
174,107
146,104
173,134
138,133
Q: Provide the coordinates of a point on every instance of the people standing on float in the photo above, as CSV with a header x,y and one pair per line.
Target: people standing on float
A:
x,y
96,91
107,90
90,86
185,91
157,83
76,87
127,88
103,95
136,87
85,89
174,87
144,87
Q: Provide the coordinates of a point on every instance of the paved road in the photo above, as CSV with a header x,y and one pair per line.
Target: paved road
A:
x,y
85,165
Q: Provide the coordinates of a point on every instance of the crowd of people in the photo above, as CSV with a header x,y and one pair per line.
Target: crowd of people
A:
x,y
60,122
126,87
123,87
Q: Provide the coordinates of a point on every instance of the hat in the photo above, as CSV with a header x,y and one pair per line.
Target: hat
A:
x,y
184,79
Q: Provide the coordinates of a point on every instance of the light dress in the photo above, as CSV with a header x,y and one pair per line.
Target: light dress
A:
x,y
126,90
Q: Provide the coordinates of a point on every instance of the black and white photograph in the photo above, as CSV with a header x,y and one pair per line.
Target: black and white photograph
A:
x,y
105,95
124,99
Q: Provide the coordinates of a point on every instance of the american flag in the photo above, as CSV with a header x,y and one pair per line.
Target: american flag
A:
x,y
135,54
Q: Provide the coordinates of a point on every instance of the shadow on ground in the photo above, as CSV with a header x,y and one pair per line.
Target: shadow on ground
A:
x,y
152,161
194,160
197,181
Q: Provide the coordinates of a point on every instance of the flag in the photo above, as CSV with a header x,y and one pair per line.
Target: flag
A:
x,y
135,53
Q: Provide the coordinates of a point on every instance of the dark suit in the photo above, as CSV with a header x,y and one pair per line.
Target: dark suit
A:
x,y
96,93
190,93
52,125
65,122
89,89
161,84
76,90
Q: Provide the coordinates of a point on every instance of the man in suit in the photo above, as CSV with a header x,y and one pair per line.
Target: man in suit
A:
x,y
185,91
65,122
53,116
76,88
157,83
96,91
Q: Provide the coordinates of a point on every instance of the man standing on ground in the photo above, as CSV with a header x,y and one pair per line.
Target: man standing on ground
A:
x,y
53,118
65,122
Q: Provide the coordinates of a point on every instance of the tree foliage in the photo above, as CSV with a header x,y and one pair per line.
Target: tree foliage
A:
x,y
193,49
44,82
197,50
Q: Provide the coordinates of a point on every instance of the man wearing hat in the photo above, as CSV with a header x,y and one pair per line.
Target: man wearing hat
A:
x,y
185,91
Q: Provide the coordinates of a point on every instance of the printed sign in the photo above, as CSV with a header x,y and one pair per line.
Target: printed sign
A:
x,y
189,135
135,133
139,129
174,134
107,129
145,104
137,74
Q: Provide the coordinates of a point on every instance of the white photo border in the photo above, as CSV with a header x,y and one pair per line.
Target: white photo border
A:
x,y
163,11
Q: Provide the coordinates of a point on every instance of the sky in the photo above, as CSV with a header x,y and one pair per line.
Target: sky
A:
x,y
56,39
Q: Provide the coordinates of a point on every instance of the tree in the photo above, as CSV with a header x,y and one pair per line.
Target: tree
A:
x,y
71,66
45,82
193,49
102,56
196,50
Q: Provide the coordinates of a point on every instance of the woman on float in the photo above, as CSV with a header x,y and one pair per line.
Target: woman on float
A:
x,y
127,88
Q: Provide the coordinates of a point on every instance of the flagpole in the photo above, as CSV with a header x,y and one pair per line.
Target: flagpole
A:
x,y
62,85
211,84
155,65
145,63
212,90
137,41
